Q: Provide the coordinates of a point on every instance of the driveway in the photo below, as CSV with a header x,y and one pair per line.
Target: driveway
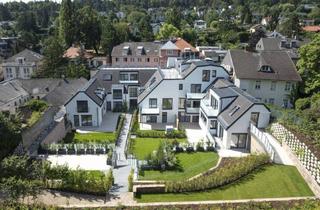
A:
x,y
85,162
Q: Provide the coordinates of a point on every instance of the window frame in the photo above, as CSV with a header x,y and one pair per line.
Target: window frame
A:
x,y
82,110
205,75
151,105
171,105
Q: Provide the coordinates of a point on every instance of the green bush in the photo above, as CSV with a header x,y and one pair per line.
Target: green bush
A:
x,y
228,173
302,103
135,122
37,105
119,126
130,181
179,134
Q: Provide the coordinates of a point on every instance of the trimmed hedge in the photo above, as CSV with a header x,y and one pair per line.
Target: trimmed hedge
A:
x,y
119,126
232,171
179,134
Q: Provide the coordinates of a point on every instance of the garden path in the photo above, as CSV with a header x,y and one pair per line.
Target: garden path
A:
x,y
122,171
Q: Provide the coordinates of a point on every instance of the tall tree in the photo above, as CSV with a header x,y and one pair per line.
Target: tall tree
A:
x,y
309,66
67,23
90,28
168,31
4,13
173,16
108,37
290,26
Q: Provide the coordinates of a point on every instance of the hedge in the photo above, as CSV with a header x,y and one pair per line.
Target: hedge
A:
x,y
179,134
119,126
230,172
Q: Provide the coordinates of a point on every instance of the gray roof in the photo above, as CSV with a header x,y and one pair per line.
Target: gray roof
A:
x,y
150,49
246,65
241,103
29,55
90,87
151,84
144,75
269,43
169,46
9,90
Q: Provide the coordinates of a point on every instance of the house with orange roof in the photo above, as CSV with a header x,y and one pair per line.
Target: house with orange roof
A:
x,y
311,29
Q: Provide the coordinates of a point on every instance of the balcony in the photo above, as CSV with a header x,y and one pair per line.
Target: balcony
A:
x,y
195,96
207,108
192,110
150,111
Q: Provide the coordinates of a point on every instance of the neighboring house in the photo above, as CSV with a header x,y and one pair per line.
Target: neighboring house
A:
x,y
215,53
307,22
257,27
200,24
266,20
176,48
22,65
275,34
120,15
14,93
280,44
314,29
7,46
226,113
136,54
175,94
116,86
267,75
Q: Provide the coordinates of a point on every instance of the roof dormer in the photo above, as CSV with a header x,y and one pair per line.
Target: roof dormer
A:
x,y
126,50
266,68
140,50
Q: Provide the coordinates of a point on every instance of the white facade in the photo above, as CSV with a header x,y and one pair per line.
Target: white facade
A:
x,y
200,24
234,134
90,117
268,91
185,103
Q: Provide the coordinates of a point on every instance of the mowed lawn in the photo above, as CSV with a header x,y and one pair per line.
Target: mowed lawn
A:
x,y
94,137
191,164
144,146
271,181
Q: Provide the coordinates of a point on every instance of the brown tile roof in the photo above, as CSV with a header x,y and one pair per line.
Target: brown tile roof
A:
x,y
75,52
182,44
311,28
247,65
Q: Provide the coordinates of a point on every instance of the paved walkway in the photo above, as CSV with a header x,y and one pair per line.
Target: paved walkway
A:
x,y
122,171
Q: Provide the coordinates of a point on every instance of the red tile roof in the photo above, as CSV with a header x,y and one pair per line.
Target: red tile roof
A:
x,y
74,52
311,28
182,44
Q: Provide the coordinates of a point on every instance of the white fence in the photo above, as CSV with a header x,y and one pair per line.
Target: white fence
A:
x,y
264,140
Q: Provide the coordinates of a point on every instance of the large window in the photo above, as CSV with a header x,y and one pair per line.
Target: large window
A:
x,y
182,103
86,120
213,124
126,76
287,87
107,77
180,86
82,106
258,85
214,103
214,73
195,88
205,75
133,92
167,103
239,140
117,93
153,103
151,119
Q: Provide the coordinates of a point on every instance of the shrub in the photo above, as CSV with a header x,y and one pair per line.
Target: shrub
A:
x,y
130,181
135,122
302,103
119,126
37,105
151,134
232,171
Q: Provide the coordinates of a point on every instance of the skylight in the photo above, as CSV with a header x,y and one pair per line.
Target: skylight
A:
x,y
234,110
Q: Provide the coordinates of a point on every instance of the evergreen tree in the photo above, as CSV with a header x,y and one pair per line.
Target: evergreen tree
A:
x,y
67,23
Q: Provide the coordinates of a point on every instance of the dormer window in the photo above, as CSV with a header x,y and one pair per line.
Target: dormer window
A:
x,y
126,50
140,50
187,49
283,43
266,68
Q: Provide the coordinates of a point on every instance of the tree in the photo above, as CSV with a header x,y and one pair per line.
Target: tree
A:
x,y
254,38
5,14
90,28
173,16
108,37
10,134
54,61
309,65
168,31
27,22
67,23
122,31
290,26
190,35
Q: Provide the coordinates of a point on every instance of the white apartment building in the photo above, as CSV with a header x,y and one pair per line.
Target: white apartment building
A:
x,y
226,113
21,65
172,94
269,76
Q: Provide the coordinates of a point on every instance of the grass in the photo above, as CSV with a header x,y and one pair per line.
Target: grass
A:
x,y
35,116
143,146
272,181
190,164
95,137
